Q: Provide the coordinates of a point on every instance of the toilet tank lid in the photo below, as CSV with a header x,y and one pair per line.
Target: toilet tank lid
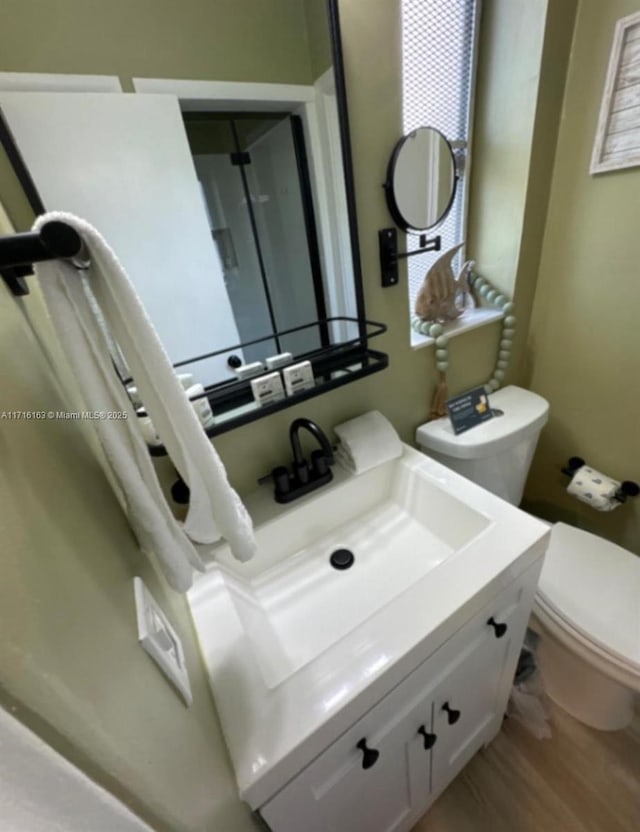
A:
x,y
594,585
524,414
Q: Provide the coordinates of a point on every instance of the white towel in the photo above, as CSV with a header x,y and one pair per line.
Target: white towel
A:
x,y
367,441
215,509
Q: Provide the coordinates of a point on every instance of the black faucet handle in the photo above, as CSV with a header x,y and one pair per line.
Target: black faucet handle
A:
x,y
281,481
319,462
301,471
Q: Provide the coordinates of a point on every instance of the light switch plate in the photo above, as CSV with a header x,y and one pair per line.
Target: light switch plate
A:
x,y
160,640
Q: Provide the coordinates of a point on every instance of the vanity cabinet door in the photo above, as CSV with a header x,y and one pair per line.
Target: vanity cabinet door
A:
x,y
469,703
375,778
385,771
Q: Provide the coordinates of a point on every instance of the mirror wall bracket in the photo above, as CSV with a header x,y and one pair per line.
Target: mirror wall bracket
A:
x,y
55,240
389,255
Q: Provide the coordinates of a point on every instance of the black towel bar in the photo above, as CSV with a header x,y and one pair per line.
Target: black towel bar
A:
x,y
55,240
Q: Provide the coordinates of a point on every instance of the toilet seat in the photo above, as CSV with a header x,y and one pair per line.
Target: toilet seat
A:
x,y
589,594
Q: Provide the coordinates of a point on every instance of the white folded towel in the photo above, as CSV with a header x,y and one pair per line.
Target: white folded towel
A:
x,y
214,509
367,441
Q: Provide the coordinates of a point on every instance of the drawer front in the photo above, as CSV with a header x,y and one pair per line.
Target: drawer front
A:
x,y
335,792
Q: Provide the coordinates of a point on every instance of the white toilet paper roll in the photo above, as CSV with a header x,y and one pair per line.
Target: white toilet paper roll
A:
x,y
594,488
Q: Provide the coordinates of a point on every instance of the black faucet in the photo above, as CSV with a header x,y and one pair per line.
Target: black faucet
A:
x,y
305,476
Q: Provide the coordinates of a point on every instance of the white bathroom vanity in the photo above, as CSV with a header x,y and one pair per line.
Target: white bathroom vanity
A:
x,y
350,698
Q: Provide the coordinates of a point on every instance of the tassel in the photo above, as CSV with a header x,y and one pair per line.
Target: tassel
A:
x,y
438,405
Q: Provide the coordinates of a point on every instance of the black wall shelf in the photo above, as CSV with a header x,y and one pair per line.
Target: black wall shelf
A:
x,y
363,363
232,401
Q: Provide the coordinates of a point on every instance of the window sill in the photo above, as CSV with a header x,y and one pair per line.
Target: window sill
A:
x,y
472,319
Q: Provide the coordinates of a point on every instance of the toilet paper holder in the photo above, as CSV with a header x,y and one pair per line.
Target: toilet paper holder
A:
x,y
627,489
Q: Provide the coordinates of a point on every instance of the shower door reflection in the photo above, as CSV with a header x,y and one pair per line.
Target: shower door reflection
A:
x,y
256,187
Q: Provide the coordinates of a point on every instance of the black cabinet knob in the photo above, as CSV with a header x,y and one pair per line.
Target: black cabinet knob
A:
x,y
452,715
428,739
498,629
369,755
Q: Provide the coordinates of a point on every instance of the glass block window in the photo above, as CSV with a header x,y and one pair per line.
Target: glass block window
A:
x,y
438,64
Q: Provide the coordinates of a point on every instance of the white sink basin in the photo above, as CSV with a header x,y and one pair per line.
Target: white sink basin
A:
x,y
399,522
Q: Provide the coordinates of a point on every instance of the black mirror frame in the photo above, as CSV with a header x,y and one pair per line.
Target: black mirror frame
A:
x,y
347,159
392,204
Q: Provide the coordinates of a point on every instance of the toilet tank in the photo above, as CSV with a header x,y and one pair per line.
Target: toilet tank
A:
x,y
496,454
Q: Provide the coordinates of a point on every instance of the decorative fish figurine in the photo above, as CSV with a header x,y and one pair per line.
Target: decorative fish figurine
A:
x,y
442,297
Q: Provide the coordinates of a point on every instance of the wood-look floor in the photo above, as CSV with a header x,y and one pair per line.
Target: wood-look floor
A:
x,y
580,780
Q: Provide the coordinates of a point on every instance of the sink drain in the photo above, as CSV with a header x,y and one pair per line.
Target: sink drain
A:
x,y
342,559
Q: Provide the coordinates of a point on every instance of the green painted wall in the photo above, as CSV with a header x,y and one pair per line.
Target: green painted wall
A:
x,y
319,36
584,342
503,134
514,146
251,40
69,662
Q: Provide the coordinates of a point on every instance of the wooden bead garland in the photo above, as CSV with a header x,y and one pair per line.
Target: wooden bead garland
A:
x,y
483,289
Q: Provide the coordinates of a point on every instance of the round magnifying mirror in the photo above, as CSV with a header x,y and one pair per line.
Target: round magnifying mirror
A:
x,y
421,180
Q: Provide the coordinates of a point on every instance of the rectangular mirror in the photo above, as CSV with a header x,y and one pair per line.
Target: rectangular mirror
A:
x,y
230,204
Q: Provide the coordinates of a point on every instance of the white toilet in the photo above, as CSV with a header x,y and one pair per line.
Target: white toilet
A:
x,y
587,607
